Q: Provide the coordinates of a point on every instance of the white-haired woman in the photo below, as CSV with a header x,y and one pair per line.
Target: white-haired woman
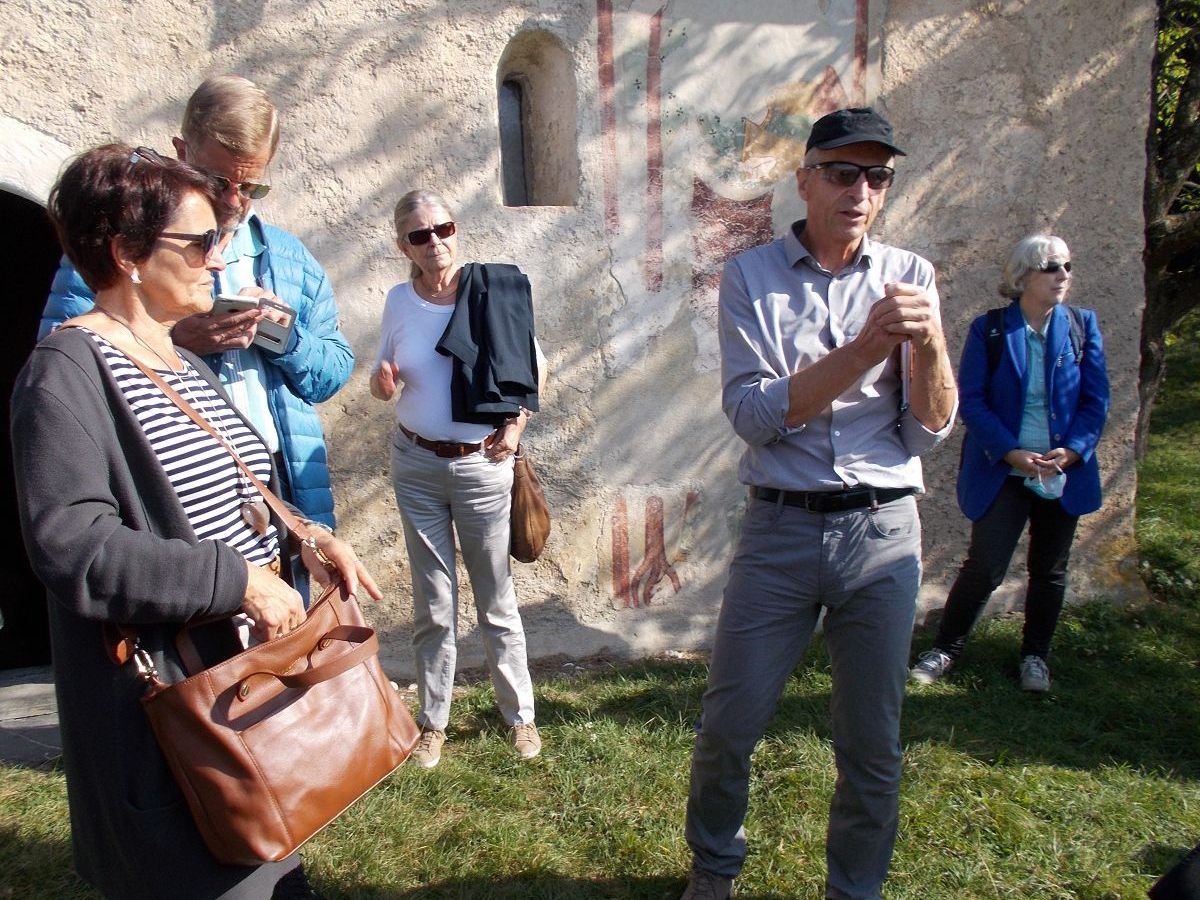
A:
x,y
1033,392
457,353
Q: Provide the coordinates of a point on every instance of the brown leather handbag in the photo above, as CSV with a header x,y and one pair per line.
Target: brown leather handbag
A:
x,y
529,518
271,745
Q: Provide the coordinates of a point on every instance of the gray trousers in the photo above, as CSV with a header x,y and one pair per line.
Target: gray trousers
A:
x,y
471,496
864,568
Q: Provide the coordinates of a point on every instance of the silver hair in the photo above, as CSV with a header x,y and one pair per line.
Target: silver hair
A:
x,y
408,204
1030,254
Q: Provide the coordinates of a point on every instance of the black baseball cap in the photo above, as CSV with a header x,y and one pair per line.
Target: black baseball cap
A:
x,y
858,125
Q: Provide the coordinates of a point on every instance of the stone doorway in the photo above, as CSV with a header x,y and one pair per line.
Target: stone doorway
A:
x,y
29,255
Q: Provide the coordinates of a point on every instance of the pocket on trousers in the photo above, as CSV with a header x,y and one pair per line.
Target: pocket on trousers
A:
x,y
894,521
760,517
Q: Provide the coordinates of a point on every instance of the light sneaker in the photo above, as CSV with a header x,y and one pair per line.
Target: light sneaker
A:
x,y
708,886
428,752
931,666
526,740
1035,675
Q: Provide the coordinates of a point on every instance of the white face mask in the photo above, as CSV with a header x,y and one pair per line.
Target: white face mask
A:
x,y
1049,486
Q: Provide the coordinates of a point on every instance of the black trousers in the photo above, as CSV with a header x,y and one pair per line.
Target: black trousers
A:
x,y
993,539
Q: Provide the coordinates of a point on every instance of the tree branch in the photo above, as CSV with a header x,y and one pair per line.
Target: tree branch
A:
x,y
1172,236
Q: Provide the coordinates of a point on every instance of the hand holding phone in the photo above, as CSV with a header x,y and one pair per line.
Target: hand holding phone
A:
x,y
228,303
274,324
232,324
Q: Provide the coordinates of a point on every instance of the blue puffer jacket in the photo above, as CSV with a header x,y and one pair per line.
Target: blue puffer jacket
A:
x,y
312,369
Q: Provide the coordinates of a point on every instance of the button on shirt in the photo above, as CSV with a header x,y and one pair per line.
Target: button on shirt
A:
x,y
242,371
780,312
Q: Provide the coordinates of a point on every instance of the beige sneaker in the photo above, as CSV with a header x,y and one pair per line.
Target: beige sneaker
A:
x,y
526,740
428,752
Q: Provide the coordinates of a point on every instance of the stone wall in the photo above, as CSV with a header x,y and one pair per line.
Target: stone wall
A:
x,y
687,121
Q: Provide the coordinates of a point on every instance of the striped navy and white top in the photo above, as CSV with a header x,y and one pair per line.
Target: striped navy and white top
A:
x,y
209,483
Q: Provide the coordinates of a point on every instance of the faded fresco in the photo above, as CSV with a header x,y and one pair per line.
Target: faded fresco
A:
x,y
699,165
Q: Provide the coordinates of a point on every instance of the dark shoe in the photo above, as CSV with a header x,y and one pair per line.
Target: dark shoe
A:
x,y
294,886
708,886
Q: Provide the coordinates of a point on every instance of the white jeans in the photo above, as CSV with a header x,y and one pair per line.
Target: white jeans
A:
x,y
473,494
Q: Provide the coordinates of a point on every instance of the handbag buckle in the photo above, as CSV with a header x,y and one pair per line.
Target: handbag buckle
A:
x,y
143,664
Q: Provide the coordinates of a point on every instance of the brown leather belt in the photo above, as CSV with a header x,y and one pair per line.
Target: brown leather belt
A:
x,y
446,449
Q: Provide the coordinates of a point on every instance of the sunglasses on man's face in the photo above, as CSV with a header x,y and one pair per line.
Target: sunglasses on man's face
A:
x,y
425,235
247,190
206,243
1051,268
846,174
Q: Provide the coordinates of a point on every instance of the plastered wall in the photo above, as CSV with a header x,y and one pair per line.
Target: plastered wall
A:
x,y
689,118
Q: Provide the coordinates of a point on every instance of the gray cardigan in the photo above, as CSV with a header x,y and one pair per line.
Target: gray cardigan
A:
x,y
109,539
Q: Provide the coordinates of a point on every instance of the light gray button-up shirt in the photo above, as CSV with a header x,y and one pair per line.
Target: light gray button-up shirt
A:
x,y
780,312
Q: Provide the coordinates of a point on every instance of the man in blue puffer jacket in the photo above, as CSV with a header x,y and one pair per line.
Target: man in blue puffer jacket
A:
x,y
231,130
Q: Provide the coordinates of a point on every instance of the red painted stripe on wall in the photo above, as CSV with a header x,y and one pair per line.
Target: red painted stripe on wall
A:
x,y
860,51
652,266
608,113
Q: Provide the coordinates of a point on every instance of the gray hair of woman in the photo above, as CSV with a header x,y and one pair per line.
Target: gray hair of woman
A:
x,y
407,205
1030,255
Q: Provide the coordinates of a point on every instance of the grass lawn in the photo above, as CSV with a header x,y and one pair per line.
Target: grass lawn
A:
x,y
1091,792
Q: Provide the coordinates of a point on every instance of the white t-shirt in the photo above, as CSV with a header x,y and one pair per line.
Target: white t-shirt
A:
x,y
408,337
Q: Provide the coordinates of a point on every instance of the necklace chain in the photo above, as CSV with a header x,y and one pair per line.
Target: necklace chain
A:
x,y
447,292
170,368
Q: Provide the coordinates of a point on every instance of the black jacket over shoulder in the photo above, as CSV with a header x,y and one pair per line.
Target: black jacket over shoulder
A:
x,y
491,338
108,537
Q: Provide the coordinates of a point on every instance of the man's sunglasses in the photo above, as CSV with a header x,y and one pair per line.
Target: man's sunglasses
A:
x,y
1051,267
207,242
425,235
247,190
846,174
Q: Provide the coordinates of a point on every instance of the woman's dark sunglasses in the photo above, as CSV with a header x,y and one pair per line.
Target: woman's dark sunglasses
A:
x,y
1051,267
424,235
206,242
845,174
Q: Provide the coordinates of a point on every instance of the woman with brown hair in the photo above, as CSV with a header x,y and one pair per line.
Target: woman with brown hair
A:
x,y
135,516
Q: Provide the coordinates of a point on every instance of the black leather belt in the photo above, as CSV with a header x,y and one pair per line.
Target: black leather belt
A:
x,y
832,501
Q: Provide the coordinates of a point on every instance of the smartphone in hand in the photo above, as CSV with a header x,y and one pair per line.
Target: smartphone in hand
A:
x,y
274,329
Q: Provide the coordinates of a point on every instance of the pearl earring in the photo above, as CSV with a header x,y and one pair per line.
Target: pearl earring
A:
x,y
135,277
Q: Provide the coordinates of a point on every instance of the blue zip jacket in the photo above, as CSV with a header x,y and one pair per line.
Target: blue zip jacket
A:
x,y
991,406
313,368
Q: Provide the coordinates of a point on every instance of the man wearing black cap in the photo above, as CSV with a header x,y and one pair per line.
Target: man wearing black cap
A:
x,y
835,374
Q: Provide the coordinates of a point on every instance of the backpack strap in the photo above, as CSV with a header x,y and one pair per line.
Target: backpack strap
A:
x,y
1077,332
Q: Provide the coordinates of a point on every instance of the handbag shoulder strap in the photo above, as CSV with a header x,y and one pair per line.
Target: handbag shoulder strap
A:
x,y
277,506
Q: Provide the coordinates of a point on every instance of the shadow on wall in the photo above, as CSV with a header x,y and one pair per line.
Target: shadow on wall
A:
x,y
632,411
